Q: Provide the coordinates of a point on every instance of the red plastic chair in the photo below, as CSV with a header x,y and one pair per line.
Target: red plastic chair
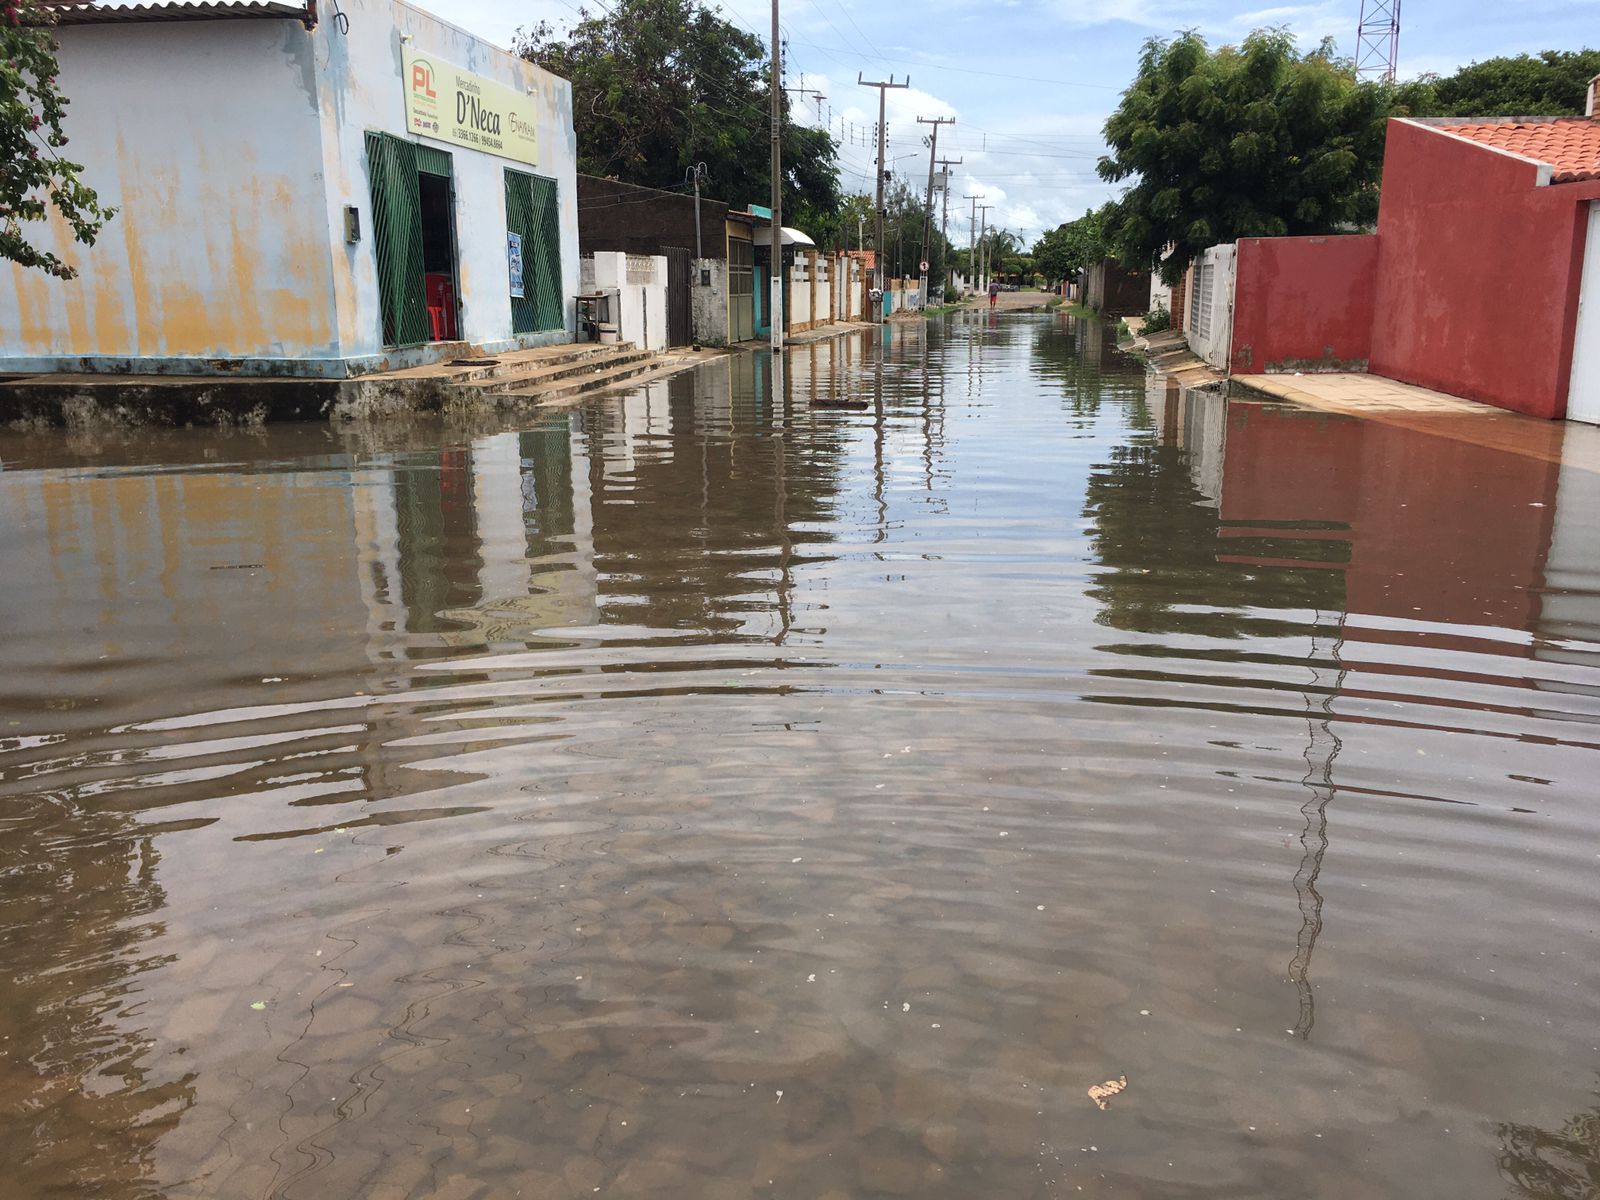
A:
x,y
441,291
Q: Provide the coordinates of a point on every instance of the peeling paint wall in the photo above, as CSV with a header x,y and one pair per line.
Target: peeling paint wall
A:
x,y
204,136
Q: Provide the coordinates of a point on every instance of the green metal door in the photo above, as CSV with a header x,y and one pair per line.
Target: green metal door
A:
x,y
397,238
533,213
741,290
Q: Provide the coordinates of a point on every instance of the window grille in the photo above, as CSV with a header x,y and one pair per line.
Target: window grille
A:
x,y
533,211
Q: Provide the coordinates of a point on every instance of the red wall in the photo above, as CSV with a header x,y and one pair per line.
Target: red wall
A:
x,y
1304,303
1478,272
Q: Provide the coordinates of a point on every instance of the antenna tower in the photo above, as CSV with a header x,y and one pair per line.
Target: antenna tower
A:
x,y
1378,40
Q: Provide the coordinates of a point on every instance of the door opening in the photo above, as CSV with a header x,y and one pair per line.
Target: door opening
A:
x,y
439,255
414,239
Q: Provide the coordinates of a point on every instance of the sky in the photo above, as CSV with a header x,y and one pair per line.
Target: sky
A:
x,y
1031,82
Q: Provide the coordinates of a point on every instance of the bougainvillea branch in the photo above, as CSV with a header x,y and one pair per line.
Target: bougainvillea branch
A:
x,y
34,176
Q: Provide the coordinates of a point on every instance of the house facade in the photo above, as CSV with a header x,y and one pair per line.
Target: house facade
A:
x,y
1482,280
301,192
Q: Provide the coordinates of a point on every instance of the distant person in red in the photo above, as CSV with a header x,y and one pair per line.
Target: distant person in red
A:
x,y
994,292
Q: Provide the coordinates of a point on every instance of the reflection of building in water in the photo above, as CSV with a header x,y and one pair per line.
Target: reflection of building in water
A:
x,y
178,566
486,543
1569,607
1439,529
714,548
1352,519
1196,423
77,1063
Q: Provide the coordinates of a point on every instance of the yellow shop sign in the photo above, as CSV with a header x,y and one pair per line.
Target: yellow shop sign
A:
x,y
456,106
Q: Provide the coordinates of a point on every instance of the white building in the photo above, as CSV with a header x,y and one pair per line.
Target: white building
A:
x,y
318,189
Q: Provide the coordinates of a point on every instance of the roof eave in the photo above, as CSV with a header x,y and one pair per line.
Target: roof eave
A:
x,y
216,10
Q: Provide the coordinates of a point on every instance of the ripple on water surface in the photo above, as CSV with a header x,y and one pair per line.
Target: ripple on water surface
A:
x,y
484,811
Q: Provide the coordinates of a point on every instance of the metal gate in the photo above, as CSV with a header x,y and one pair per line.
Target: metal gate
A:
x,y
741,291
533,213
680,331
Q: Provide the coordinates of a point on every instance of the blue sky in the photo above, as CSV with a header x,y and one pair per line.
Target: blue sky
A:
x,y
1030,82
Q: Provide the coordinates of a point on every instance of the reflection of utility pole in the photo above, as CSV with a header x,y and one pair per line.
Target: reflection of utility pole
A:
x,y
777,188
927,212
1322,747
877,246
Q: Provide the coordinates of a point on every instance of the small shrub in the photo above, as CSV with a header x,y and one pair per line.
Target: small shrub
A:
x,y
1157,320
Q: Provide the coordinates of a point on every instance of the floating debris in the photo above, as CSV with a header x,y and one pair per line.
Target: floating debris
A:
x,y
1101,1093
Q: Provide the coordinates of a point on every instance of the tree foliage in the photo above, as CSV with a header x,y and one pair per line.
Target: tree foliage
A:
x,y
904,204
659,85
1067,249
1254,140
1554,83
34,178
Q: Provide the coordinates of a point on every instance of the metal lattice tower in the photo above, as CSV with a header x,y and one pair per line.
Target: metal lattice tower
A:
x,y
1378,39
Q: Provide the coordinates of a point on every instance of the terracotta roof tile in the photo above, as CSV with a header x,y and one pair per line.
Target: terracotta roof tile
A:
x,y
1570,145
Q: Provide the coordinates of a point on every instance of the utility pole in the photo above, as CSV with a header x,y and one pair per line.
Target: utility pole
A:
x,y
972,243
776,316
927,212
698,172
944,194
877,245
983,249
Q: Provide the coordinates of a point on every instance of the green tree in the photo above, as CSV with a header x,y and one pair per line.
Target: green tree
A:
x,y
1555,83
847,229
659,85
1254,140
904,204
1067,249
34,178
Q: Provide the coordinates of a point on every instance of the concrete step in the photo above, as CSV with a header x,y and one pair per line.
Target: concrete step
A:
x,y
530,375
522,363
534,377
574,385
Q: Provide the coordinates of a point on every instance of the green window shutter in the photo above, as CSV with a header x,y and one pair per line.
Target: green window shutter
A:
x,y
397,239
533,211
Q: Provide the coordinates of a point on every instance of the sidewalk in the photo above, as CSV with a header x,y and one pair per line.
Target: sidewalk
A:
x,y
1376,398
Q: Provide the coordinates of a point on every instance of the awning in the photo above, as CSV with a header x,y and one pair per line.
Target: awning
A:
x,y
791,237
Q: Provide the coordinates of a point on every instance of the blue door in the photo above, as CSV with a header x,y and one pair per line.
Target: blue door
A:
x,y
763,290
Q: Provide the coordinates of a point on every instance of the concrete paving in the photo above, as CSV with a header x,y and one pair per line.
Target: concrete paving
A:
x,y
1390,402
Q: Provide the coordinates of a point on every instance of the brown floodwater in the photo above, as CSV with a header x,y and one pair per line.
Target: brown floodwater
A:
x,y
701,794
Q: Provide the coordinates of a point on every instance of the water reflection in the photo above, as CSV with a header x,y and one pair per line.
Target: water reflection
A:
x,y
1553,1164
499,805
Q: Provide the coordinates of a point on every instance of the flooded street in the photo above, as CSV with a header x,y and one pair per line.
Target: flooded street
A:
x,y
701,794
